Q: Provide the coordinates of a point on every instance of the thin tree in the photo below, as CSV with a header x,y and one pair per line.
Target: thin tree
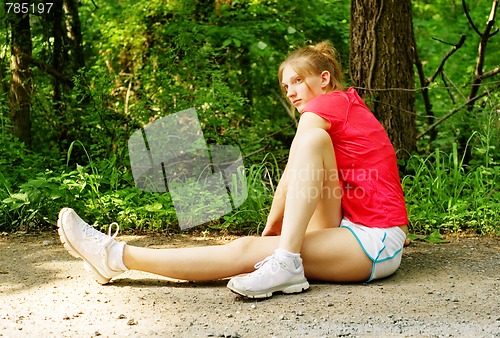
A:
x,y
58,55
74,34
21,80
479,74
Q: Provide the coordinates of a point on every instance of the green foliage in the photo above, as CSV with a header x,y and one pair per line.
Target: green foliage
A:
x,y
98,190
434,237
146,60
155,58
438,25
444,194
251,217
25,190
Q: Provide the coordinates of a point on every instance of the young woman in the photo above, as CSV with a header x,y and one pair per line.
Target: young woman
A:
x,y
338,214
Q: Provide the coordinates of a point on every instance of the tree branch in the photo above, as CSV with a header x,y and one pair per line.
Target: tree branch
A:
x,y
471,22
490,73
478,73
439,69
442,41
455,86
448,89
424,84
491,19
255,152
456,110
48,69
484,39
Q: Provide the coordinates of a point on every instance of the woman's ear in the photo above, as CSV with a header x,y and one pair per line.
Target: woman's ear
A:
x,y
325,79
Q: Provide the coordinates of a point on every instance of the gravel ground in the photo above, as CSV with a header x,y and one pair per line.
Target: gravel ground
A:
x,y
441,290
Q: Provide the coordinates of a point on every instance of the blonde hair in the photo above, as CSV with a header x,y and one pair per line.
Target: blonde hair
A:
x,y
313,60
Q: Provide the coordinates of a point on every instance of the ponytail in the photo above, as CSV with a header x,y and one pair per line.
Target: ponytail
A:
x,y
315,59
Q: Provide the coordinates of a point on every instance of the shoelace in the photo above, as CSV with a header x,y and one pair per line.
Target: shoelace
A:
x,y
101,239
269,263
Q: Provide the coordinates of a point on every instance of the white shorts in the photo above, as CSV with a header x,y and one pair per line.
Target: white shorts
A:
x,y
384,246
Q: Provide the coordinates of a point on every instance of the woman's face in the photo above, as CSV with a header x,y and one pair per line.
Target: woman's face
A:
x,y
300,90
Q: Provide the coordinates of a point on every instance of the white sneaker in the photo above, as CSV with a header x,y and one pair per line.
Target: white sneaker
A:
x,y
83,241
273,274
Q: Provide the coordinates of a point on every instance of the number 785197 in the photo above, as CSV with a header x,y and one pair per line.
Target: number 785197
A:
x,y
28,8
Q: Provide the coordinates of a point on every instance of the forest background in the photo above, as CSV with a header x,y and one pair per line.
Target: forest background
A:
x,y
100,70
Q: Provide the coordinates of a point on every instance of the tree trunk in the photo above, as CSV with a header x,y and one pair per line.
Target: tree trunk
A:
x,y
381,65
57,52
74,34
21,81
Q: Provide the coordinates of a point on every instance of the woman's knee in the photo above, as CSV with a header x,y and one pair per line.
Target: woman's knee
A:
x,y
315,152
314,138
314,143
241,249
249,250
242,244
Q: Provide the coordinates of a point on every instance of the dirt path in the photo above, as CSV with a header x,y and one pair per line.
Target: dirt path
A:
x,y
449,290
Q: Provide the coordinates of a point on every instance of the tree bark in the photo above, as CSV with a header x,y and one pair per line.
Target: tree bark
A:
x,y
381,65
74,34
57,52
21,81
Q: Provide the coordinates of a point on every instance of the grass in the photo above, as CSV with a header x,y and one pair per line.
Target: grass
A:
x,y
251,216
444,194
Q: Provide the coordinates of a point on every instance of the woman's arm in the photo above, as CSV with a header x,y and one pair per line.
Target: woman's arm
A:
x,y
275,217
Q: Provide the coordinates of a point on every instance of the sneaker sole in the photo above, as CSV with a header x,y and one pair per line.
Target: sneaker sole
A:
x,y
98,277
295,288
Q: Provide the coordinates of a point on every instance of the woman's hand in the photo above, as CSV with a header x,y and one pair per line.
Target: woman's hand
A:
x,y
272,229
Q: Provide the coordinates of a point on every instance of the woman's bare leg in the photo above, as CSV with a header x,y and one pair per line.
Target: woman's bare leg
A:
x,y
201,263
329,254
312,202
313,196
332,255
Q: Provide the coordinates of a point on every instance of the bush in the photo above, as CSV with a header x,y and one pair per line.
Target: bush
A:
x,y
443,194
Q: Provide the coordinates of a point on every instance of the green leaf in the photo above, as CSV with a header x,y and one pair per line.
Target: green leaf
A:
x,y
435,237
413,237
153,207
17,197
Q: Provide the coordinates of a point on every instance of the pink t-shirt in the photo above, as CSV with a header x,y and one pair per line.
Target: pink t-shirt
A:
x,y
366,160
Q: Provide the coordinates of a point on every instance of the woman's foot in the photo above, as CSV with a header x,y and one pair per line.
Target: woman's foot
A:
x,y
101,253
277,273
